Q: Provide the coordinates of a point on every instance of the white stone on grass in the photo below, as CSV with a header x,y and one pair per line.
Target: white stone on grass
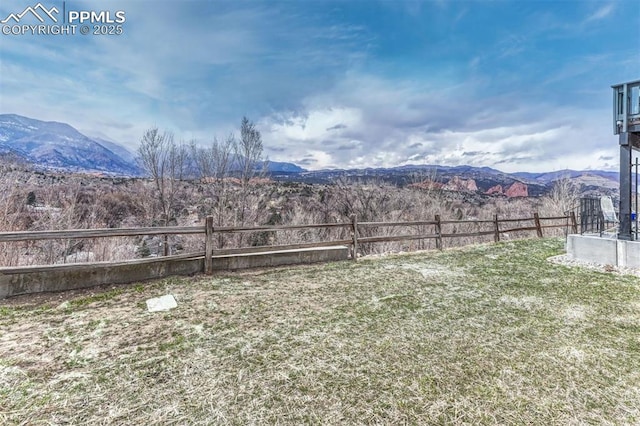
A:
x,y
162,303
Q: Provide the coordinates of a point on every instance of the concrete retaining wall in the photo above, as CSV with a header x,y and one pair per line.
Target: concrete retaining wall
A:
x,y
278,258
14,282
27,280
604,251
631,254
592,249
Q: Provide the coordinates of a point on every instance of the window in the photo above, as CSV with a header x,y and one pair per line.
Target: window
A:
x,y
620,102
634,100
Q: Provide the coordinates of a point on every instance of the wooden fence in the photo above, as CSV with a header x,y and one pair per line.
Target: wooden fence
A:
x,y
495,227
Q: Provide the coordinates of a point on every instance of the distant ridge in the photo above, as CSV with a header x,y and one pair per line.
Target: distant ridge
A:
x,y
571,174
57,145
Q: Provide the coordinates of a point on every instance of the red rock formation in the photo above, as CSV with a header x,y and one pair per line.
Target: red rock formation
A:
x,y
517,189
460,185
495,190
456,184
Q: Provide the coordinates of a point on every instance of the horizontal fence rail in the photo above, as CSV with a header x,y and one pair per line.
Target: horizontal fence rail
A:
x,y
98,233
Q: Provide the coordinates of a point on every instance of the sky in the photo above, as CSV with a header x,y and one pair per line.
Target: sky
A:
x,y
514,85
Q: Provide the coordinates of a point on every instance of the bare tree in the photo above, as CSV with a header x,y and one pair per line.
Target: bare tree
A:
x,y
213,165
213,162
248,157
562,198
165,161
248,151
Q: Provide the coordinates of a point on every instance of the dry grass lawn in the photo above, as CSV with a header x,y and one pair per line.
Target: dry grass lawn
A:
x,y
489,334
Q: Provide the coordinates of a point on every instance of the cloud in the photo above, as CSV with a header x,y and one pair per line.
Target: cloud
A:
x,y
601,13
306,162
195,69
337,127
391,123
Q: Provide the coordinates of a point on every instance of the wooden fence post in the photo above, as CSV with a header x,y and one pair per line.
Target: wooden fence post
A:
x,y
496,229
208,245
536,218
354,236
165,237
438,233
574,222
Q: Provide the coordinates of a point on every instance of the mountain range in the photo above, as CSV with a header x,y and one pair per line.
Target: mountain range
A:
x,y
55,145
485,179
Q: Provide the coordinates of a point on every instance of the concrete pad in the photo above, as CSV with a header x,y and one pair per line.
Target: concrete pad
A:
x,y
162,303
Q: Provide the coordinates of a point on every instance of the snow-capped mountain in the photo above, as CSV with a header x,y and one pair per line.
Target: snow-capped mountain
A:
x,y
58,145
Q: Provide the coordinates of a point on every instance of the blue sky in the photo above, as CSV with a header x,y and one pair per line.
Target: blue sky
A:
x,y
515,85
